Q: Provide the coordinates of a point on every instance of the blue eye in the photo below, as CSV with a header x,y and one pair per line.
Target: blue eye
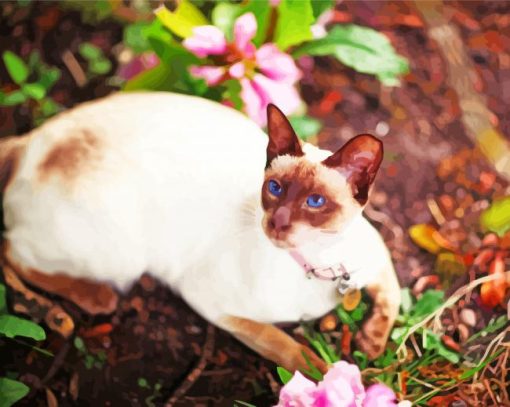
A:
x,y
274,188
315,201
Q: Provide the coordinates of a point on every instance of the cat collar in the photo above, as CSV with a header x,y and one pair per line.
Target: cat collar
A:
x,y
337,272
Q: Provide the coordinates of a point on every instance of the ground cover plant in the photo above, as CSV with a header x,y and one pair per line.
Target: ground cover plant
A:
x,y
440,202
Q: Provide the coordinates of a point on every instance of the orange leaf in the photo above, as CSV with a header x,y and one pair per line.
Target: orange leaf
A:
x,y
98,330
421,234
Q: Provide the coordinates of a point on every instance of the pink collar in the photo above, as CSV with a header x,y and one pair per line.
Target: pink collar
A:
x,y
332,273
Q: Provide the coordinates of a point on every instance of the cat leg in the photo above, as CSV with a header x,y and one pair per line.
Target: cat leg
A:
x,y
38,307
272,343
92,297
373,335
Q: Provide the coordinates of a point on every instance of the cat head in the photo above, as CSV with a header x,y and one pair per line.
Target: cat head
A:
x,y
309,194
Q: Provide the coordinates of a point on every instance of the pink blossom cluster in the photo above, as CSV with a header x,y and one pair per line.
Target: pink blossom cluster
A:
x,y
340,387
266,75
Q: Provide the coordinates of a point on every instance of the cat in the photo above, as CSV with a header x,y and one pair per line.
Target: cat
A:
x,y
249,231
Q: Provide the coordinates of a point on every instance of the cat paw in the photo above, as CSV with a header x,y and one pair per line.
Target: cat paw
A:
x,y
372,345
301,364
95,298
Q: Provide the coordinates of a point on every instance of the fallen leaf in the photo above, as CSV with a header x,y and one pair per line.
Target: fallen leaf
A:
x,y
421,235
351,299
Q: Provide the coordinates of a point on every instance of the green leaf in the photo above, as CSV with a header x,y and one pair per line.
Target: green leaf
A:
x,y
496,217
361,359
135,38
406,301
14,98
433,342
34,90
305,126
182,20
284,374
294,20
262,11
48,76
361,48
223,17
79,344
233,93
100,66
153,79
320,6
225,14
12,326
3,301
17,69
11,391
312,371
89,51
495,324
428,303
244,404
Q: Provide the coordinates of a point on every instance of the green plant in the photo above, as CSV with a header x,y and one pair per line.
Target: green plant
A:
x,y
98,64
12,326
91,360
32,80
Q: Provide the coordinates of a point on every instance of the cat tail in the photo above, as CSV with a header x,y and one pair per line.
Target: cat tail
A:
x,y
11,149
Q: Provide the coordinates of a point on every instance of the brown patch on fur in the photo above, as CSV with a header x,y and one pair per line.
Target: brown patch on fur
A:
x,y
273,344
373,335
298,183
93,297
10,151
71,156
361,158
282,138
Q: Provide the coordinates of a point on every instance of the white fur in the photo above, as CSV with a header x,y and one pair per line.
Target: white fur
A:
x,y
175,192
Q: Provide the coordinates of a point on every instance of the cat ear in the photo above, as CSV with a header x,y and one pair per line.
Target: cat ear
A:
x,y
358,159
282,138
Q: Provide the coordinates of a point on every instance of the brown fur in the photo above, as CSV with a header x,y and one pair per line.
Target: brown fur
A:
x,y
282,138
11,149
374,333
92,297
71,156
273,344
298,183
361,156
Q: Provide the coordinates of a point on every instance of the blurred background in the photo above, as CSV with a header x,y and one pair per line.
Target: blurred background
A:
x,y
431,79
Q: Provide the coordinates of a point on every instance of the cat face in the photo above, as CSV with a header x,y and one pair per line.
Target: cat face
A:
x,y
308,196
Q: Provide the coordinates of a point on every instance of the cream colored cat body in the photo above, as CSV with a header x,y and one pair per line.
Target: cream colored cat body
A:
x,y
170,184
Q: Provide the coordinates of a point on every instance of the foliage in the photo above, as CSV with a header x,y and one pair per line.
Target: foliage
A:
x,y
362,49
33,80
12,327
97,63
496,218
358,47
11,391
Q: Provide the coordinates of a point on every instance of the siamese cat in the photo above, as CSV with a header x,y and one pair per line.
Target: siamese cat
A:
x,y
250,231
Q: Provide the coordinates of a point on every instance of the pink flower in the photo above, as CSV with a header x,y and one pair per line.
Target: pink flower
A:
x,y
138,65
340,387
267,75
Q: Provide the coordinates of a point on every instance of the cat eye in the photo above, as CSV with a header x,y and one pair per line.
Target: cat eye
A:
x,y
274,187
315,201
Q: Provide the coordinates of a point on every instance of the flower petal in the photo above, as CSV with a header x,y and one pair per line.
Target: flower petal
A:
x,y
245,29
297,392
206,40
237,70
254,101
211,74
282,94
379,395
276,64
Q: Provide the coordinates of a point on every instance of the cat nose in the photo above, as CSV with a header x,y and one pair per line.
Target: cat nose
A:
x,y
280,221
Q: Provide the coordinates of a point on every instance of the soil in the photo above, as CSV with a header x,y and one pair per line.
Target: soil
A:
x,y
154,335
